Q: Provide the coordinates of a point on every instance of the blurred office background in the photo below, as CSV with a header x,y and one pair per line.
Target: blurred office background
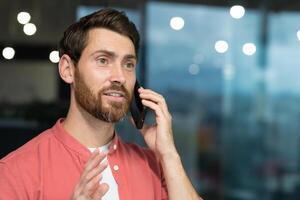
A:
x,y
229,71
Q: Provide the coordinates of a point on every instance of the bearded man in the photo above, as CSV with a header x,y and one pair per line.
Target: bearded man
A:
x,y
82,156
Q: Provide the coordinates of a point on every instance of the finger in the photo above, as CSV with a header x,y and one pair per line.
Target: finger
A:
x,y
150,91
93,173
93,162
89,188
100,191
156,99
94,154
153,97
92,157
158,111
93,178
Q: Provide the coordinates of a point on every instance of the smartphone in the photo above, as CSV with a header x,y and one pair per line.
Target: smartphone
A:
x,y
137,109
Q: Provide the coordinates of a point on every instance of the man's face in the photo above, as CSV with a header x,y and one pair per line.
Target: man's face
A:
x,y
105,75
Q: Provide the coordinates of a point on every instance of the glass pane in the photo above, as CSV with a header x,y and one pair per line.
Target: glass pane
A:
x,y
235,114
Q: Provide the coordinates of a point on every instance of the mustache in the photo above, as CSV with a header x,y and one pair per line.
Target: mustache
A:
x,y
117,87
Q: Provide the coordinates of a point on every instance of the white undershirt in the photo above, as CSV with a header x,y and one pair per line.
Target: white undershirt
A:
x,y
108,178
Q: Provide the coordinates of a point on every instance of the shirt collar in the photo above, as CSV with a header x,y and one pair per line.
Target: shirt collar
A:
x,y
72,143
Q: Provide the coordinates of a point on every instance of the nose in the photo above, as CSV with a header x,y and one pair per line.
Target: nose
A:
x,y
117,75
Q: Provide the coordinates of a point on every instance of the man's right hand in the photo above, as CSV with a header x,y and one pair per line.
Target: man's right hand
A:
x,y
89,187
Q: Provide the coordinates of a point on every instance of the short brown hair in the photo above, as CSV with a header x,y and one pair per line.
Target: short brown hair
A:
x,y
74,39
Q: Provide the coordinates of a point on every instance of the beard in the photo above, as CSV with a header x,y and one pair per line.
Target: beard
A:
x,y
93,104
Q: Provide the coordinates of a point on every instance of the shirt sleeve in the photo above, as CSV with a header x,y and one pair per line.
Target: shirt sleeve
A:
x,y
161,184
10,183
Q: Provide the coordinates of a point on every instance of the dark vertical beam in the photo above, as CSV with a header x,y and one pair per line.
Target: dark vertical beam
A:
x,y
262,61
143,44
261,96
263,38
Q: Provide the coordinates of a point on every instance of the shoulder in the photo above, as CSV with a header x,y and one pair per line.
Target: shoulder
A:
x,y
19,170
29,151
22,166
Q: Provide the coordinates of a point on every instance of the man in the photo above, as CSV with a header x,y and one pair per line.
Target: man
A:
x,y
82,157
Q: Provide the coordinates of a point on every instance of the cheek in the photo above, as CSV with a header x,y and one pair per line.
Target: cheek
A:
x,y
100,75
99,80
131,82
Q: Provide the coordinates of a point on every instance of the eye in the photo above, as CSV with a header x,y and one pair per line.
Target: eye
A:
x,y
102,61
129,65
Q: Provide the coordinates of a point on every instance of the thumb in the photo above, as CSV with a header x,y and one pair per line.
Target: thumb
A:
x,y
144,129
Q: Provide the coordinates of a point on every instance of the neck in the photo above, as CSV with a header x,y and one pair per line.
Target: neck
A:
x,y
88,130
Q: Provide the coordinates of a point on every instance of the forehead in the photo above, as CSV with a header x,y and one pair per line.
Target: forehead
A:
x,y
104,39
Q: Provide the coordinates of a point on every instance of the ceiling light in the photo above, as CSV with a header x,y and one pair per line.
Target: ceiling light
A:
x,y
249,49
221,46
29,29
8,53
23,17
237,11
177,23
54,56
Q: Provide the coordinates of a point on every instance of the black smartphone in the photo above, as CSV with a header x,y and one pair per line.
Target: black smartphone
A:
x,y
137,109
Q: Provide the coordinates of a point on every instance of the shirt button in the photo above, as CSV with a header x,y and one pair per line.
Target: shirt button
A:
x,y
116,167
115,147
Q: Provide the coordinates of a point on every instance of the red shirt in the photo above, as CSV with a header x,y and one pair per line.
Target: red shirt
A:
x,y
49,167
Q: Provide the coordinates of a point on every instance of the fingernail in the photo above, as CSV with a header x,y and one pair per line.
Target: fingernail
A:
x,y
95,151
103,153
99,176
104,162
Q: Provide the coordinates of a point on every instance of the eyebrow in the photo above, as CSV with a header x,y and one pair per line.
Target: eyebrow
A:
x,y
114,55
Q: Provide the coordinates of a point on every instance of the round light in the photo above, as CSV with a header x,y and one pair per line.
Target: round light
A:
x,y
8,53
237,11
249,49
54,56
23,17
29,29
221,46
194,69
298,35
177,23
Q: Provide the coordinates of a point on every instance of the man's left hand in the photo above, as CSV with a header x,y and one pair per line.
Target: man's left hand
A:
x,y
159,136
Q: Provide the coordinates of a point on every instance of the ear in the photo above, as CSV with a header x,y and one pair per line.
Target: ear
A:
x,y
66,69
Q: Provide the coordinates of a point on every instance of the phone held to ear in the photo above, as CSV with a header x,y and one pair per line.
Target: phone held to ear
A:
x,y
137,109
